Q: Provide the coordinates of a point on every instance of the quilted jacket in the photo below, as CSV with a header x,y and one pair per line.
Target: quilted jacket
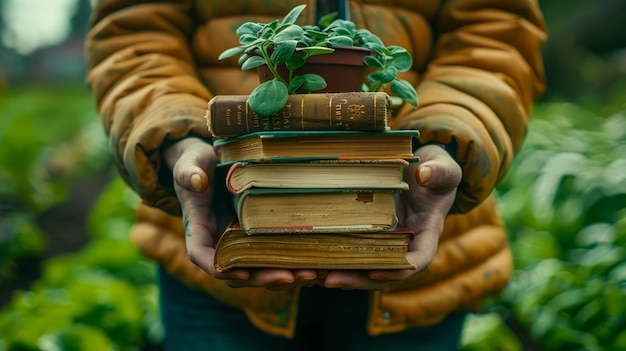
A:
x,y
477,68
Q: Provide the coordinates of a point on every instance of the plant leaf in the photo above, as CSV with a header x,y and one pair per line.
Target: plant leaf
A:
x,y
291,32
404,90
374,62
268,29
375,47
340,24
401,58
344,31
252,62
293,15
294,62
268,97
295,84
313,82
316,50
243,58
283,51
341,40
249,28
231,52
247,39
316,34
367,39
326,20
386,75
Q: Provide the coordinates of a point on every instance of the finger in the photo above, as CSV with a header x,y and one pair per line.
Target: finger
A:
x,y
353,280
264,278
303,277
392,275
420,256
437,171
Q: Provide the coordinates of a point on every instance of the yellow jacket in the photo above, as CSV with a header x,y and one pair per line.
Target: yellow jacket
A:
x,y
153,67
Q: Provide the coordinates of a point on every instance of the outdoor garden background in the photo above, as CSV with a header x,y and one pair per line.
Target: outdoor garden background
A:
x,y
70,279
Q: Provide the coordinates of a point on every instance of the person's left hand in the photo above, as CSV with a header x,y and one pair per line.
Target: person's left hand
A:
x,y
433,185
192,162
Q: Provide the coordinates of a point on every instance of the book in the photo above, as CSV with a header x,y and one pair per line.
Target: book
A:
x,y
349,174
274,146
271,210
381,250
230,115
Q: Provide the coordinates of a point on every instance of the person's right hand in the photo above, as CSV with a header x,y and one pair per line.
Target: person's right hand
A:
x,y
192,162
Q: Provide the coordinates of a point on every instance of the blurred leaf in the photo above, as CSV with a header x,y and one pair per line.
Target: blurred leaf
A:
x,y
20,238
114,211
29,158
76,338
594,234
488,332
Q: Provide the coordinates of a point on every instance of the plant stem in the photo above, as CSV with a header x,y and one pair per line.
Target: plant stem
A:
x,y
271,65
379,84
375,87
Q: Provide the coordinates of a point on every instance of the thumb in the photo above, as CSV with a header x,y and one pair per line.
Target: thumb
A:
x,y
195,167
439,173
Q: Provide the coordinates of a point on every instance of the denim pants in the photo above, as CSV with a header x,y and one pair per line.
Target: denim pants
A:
x,y
328,319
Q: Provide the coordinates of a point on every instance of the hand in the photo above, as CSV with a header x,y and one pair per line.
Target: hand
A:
x,y
192,162
433,184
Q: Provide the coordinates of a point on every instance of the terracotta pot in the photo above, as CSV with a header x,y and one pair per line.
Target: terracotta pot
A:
x,y
343,70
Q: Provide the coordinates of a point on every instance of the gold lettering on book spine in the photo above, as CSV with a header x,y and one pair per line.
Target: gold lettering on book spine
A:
x,y
239,115
228,115
284,122
338,112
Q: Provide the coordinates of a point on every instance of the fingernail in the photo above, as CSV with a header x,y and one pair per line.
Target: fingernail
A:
x,y
424,174
196,182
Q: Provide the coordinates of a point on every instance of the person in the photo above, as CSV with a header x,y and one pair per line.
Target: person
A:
x,y
153,66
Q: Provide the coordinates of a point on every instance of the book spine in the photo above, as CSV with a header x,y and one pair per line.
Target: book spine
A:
x,y
231,116
229,177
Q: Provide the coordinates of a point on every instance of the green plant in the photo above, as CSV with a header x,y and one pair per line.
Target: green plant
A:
x,y
49,138
563,204
103,297
286,43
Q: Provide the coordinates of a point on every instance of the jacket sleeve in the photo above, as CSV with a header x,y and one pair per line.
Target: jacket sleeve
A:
x,y
142,74
477,92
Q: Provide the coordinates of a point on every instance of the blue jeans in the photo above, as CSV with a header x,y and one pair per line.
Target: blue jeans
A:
x,y
328,319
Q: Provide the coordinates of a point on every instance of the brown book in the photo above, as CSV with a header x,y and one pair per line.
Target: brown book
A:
x,y
273,210
230,115
349,251
355,174
277,146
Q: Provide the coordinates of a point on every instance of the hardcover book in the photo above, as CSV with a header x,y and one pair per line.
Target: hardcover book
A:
x,y
349,174
271,210
392,144
381,250
230,115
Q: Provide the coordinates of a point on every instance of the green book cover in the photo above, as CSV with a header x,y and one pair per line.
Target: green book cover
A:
x,y
316,134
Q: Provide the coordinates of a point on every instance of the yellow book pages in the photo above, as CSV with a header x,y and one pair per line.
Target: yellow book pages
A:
x,y
272,146
382,250
316,210
350,174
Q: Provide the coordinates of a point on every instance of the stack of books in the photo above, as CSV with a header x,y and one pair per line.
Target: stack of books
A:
x,y
314,185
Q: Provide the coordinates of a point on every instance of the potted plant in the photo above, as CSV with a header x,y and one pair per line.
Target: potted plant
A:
x,y
283,52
